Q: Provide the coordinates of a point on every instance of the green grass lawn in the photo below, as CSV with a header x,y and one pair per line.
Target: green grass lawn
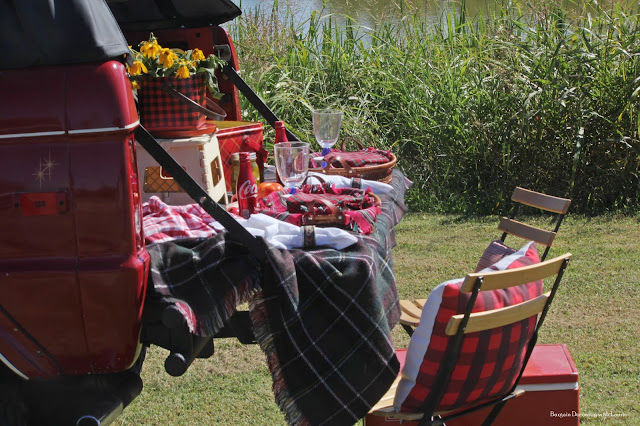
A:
x,y
596,313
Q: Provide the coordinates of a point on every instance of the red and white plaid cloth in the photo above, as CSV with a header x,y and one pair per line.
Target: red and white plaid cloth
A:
x,y
358,206
163,222
366,157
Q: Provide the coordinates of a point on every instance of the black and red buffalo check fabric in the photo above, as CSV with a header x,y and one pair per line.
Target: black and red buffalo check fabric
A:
x,y
489,361
323,317
495,251
160,111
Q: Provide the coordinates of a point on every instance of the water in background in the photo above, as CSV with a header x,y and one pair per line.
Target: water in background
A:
x,y
370,12
363,12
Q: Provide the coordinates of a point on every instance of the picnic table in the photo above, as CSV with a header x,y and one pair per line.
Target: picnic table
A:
x,y
322,316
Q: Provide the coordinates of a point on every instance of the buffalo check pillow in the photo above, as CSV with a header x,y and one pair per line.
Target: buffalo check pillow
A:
x,y
489,361
495,251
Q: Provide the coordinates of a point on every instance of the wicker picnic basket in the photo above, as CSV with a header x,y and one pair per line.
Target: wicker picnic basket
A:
x,y
324,205
380,172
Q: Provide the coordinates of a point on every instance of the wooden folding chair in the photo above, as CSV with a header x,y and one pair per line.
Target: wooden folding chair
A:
x,y
474,359
557,206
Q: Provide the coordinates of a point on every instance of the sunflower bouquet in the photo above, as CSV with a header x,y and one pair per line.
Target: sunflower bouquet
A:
x,y
153,60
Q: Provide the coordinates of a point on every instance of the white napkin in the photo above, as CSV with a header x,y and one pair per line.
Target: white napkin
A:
x,y
345,182
287,235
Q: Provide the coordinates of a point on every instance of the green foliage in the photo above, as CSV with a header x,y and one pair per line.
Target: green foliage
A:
x,y
472,106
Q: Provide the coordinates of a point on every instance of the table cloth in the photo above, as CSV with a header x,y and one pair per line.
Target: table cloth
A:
x,y
323,317
163,222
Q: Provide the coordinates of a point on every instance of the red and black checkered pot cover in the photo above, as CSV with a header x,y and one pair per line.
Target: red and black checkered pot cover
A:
x,y
160,111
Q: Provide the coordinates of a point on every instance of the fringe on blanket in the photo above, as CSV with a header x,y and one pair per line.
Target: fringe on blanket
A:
x,y
264,336
218,291
214,321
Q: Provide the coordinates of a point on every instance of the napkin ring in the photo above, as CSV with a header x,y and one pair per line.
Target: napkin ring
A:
x,y
308,236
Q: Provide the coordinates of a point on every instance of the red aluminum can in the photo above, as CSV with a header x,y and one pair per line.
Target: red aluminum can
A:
x,y
246,187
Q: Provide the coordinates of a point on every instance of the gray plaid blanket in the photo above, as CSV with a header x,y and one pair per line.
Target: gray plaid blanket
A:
x,y
323,317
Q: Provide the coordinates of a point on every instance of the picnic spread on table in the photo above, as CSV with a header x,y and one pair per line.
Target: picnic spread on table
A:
x,y
322,295
322,308
311,256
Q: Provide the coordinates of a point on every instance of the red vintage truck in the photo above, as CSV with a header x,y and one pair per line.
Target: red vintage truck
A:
x,y
75,311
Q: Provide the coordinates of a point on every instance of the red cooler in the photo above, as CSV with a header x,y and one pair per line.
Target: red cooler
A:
x,y
240,136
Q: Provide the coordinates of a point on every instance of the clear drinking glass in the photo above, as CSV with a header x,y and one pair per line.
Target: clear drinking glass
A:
x,y
326,127
292,162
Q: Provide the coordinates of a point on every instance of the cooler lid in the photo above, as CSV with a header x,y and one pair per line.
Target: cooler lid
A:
x,y
149,15
550,364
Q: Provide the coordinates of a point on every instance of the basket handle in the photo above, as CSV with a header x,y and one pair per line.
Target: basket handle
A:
x,y
318,178
311,218
219,114
342,145
336,157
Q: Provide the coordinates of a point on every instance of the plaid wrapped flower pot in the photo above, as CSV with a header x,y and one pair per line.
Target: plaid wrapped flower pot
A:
x,y
161,111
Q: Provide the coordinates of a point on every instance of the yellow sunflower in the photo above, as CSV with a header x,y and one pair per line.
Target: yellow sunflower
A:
x,y
197,55
138,68
150,49
167,58
183,70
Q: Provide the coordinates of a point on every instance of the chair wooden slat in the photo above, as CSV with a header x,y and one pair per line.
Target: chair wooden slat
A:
x,y
510,277
409,320
386,402
528,232
384,407
486,320
541,201
420,303
410,309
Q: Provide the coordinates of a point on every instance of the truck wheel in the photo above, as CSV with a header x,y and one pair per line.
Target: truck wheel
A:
x,y
13,410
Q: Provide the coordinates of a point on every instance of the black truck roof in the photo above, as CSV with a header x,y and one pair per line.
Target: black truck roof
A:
x,y
57,32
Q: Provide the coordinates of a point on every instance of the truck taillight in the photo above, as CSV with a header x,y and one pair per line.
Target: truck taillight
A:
x,y
135,193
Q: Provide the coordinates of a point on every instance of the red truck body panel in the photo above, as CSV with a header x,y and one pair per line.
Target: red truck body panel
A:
x,y
73,267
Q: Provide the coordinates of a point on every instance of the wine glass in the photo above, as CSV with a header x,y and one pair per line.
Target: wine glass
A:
x,y
326,128
292,163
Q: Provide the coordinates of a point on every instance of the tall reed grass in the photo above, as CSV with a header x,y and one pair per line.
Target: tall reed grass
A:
x,y
525,95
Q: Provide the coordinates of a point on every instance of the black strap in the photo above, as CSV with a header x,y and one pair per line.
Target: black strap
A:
x,y
190,103
254,99
256,246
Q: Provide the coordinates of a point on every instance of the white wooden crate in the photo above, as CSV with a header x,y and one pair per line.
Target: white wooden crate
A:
x,y
199,156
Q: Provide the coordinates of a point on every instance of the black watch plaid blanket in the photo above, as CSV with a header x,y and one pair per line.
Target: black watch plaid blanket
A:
x,y
323,317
